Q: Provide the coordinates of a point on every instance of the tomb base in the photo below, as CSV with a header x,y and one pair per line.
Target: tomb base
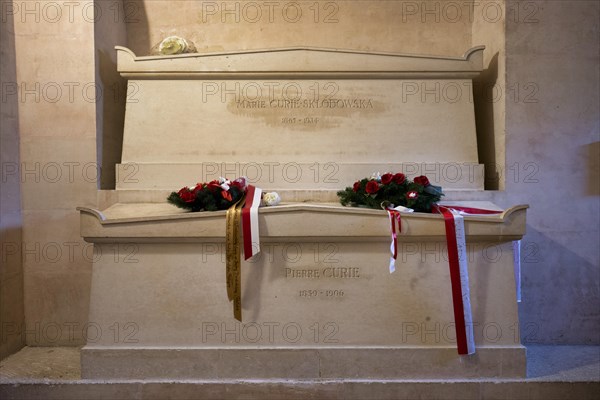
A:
x,y
357,362
318,301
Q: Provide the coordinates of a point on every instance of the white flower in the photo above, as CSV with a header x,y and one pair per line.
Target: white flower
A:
x,y
173,45
271,199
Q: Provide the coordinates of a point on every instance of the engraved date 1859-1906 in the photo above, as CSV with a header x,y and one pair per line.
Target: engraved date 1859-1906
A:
x,y
326,293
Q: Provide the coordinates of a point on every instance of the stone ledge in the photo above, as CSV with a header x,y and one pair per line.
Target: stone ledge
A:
x,y
162,221
299,63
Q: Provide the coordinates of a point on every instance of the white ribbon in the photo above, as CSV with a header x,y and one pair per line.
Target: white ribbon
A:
x,y
250,222
517,267
461,247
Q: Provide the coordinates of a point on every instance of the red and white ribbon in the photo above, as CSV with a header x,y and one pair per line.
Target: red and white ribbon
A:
x,y
394,216
459,279
457,260
250,232
459,272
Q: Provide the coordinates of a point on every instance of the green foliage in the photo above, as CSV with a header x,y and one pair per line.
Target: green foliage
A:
x,y
418,196
208,196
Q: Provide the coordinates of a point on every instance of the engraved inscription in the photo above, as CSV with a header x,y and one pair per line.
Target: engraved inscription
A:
x,y
341,272
300,105
321,103
327,293
328,272
302,273
322,273
299,120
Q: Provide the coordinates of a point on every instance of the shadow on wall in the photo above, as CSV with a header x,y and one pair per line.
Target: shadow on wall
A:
x,y
110,117
138,23
484,99
592,152
12,312
552,279
110,112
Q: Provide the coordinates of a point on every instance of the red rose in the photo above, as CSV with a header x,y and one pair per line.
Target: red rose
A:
x,y
412,195
399,178
198,188
239,183
213,186
372,187
186,195
356,186
226,195
422,180
386,178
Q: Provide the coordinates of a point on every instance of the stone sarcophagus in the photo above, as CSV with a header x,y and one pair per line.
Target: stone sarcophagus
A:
x,y
318,300
298,120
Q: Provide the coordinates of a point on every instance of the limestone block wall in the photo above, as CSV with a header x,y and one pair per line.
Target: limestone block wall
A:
x,y
57,95
11,220
552,155
109,30
392,26
489,90
55,73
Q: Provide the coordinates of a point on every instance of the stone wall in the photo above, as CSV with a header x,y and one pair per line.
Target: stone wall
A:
x,y
552,154
393,26
55,58
109,31
11,220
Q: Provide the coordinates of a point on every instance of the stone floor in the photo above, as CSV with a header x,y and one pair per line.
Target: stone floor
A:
x,y
554,372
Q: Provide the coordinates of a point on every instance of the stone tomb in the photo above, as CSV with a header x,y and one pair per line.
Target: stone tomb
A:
x,y
318,301
298,120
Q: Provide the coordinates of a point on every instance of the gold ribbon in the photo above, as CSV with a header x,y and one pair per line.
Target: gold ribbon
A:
x,y
233,273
